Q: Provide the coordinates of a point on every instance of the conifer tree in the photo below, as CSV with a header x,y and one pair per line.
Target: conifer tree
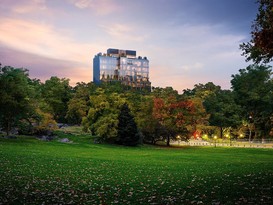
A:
x,y
127,128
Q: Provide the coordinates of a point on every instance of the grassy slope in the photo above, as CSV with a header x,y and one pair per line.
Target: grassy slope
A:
x,y
33,171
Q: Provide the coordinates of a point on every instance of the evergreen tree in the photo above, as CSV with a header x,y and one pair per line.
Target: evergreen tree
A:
x,y
127,129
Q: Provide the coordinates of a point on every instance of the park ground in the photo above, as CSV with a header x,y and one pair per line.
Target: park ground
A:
x,y
80,172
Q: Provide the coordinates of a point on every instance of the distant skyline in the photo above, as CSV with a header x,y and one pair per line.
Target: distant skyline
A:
x,y
187,41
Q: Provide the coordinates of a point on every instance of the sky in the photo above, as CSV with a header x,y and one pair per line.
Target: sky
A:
x,y
186,41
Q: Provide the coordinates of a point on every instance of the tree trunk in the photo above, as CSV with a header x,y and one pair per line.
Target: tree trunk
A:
x,y
221,132
168,140
8,128
249,139
153,140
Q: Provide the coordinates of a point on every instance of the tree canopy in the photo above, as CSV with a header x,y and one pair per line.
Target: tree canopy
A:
x,y
16,94
253,88
223,110
260,47
127,128
57,92
118,114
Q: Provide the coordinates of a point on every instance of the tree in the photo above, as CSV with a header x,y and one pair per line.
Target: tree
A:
x,y
260,47
15,101
77,106
199,118
164,92
76,109
127,128
223,110
56,93
45,124
253,88
201,90
173,117
102,118
148,126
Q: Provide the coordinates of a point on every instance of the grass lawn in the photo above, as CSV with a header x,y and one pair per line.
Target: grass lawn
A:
x,y
38,172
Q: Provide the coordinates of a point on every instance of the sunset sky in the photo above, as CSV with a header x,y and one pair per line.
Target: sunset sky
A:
x,y
187,41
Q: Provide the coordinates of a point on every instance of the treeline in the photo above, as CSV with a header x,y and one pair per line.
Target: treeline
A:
x,y
118,114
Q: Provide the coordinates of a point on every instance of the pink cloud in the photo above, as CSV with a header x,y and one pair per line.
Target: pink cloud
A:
x,y
44,40
100,7
24,6
124,32
43,68
45,50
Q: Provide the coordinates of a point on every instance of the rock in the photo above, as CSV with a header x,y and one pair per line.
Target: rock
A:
x,y
10,137
44,132
62,125
64,140
45,138
97,141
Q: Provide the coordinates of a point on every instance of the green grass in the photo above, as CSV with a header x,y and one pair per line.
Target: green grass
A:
x,y
38,172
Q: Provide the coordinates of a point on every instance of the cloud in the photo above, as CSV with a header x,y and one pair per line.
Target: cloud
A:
x,y
43,39
45,51
116,29
195,66
24,6
192,54
100,7
123,32
82,4
43,68
64,35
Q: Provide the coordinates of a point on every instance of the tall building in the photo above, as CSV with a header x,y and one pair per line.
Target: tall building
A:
x,y
123,66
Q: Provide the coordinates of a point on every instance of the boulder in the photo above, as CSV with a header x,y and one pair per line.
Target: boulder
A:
x,y
45,138
11,137
64,140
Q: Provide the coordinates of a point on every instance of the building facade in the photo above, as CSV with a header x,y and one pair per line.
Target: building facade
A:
x,y
123,66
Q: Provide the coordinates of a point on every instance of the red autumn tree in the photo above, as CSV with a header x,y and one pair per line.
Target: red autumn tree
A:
x,y
173,116
260,47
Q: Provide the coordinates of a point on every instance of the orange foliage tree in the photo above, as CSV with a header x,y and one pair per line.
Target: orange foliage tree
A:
x,y
173,116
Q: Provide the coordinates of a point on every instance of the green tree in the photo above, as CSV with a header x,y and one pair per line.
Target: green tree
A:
x,y
45,123
201,90
127,128
56,93
147,124
102,118
164,92
260,47
76,110
223,110
84,90
253,88
78,104
15,101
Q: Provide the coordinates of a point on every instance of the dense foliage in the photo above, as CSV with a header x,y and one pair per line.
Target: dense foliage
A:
x,y
15,101
260,47
33,107
223,110
127,128
253,90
